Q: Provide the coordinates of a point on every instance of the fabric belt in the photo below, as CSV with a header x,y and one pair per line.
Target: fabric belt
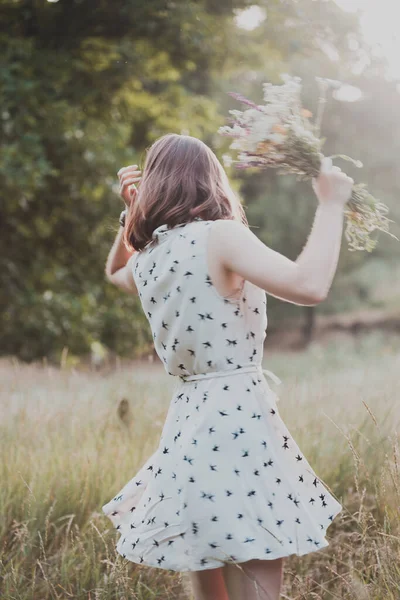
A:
x,y
250,369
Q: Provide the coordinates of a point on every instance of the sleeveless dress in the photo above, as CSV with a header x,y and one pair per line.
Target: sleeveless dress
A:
x,y
227,482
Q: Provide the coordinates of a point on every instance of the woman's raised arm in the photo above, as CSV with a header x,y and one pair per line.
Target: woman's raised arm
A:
x,y
118,269
307,280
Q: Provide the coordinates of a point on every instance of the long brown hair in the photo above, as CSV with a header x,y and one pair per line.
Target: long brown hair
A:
x,y
181,179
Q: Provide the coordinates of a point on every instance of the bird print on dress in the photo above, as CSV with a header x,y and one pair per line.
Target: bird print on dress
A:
x,y
227,483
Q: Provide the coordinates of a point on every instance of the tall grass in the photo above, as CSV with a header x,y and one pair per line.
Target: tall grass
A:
x,y
68,444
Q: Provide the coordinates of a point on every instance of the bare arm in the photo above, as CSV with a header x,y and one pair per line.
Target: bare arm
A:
x,y
118,266
118,269
319,259
305,281
118,255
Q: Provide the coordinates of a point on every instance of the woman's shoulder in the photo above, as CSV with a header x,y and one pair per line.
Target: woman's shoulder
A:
x,y
228,229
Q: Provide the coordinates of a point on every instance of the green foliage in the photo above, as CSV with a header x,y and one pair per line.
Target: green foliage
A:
x,y
86,86
79,101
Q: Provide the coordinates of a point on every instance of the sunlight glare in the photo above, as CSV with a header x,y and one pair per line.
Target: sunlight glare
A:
x,y
250,18
347,93
379,23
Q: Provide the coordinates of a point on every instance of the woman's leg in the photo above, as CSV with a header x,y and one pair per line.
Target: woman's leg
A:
x,y
208,584
254,579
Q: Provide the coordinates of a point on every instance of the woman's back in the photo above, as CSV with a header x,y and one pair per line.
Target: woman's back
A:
x,y
195,329
227,482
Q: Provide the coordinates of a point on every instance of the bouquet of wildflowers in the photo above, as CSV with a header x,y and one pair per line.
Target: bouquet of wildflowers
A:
x,y
280,134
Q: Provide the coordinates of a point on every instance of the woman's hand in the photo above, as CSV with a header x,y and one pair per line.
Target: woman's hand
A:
x,y
332,186
128,177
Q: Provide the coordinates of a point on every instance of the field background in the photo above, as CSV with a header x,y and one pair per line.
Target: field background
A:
x,y
66,448
85,89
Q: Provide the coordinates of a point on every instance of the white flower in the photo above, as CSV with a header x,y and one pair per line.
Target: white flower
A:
x,y
283,99
246,144
251,114
235,131
225,129
244,158
261,122
235,113
277,138
298,129
286,78
238,130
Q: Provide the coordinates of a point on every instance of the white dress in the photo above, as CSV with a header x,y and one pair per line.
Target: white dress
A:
x,y
228,482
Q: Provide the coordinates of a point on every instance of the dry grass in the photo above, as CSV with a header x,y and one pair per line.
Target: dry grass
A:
x,y
66,447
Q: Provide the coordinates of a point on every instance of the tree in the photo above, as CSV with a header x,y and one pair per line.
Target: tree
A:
x,y
84,88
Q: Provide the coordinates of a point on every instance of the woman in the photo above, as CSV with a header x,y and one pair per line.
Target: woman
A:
x,y
228,494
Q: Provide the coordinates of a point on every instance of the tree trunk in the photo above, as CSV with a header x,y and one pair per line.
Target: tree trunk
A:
x,y
309,324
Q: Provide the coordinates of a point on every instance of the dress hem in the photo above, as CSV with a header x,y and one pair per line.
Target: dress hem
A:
x,y
324,543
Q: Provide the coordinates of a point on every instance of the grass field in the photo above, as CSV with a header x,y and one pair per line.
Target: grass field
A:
x,y
66,449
